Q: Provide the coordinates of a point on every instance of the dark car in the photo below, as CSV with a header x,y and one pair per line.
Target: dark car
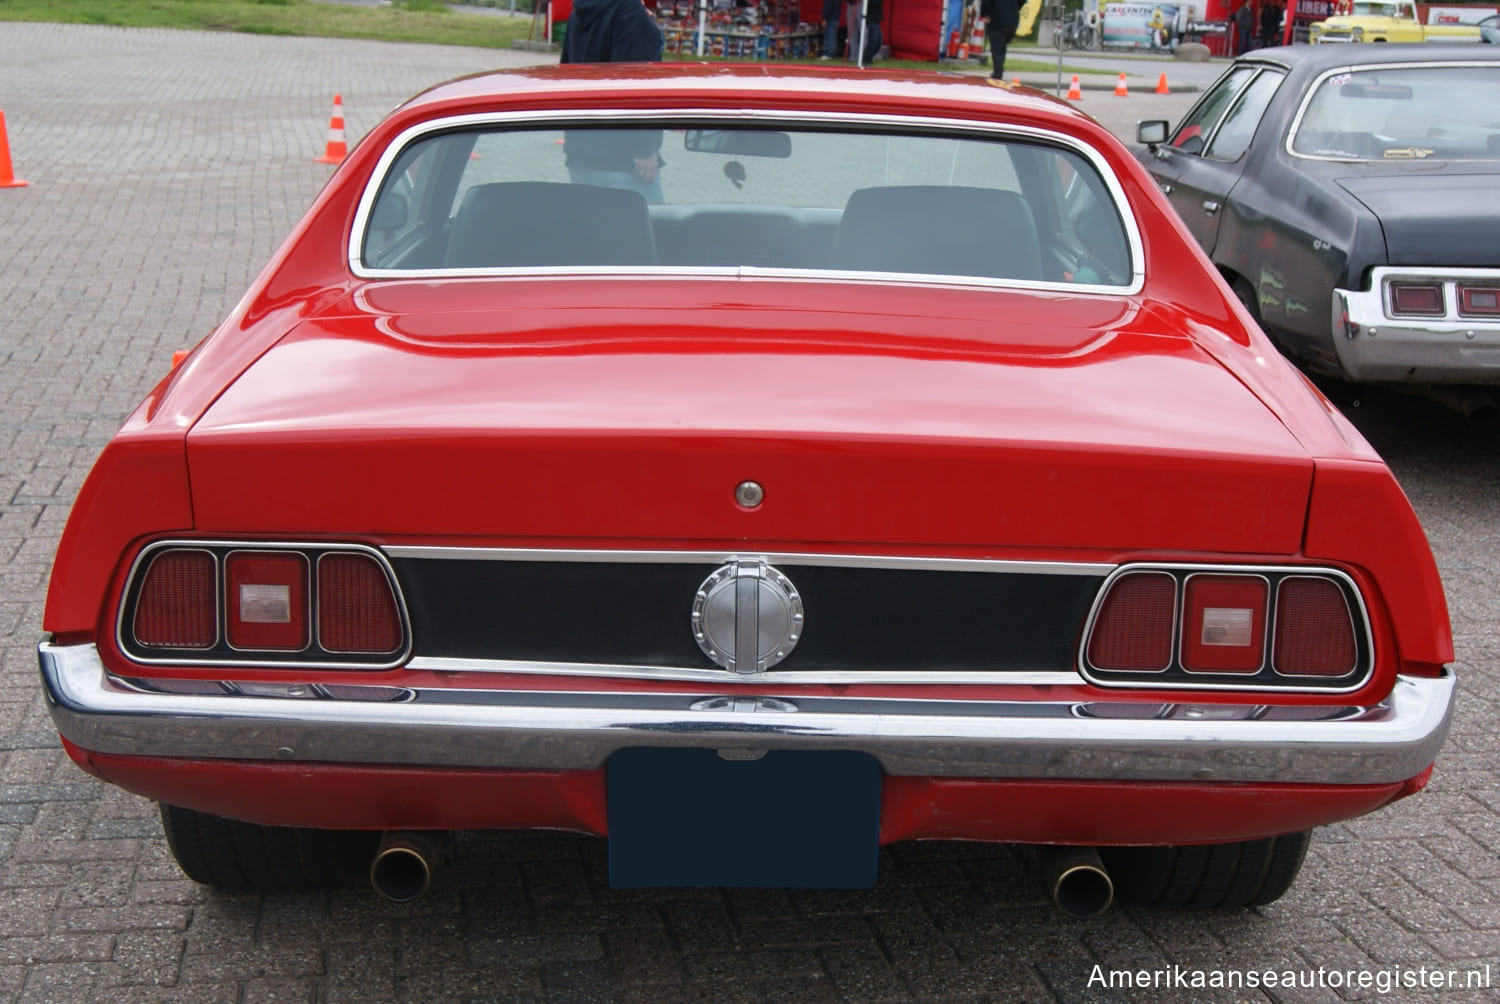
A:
x,y
1351,196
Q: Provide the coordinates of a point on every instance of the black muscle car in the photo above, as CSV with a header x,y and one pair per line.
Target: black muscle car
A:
x,y
1351,196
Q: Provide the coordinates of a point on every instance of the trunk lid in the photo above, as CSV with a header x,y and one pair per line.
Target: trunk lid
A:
x,y
1437,219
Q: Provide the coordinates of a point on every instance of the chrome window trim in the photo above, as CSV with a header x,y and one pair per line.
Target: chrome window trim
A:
x,y
307,585
1317,82
1240,683
150,550
820,559
1265,636
973,127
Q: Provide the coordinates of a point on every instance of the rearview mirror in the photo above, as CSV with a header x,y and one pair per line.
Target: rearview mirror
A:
x,y
738,142
1152,132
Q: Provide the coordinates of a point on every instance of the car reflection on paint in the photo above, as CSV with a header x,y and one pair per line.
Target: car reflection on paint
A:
x,y
1360,181
904,473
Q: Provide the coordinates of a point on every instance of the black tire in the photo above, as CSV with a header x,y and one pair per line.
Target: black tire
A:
x,y
246,857
1207,876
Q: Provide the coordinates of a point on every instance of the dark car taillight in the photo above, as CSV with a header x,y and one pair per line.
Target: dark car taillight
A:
x,y
1419,299
1479,301
1262,628
177,606
277,604
356,607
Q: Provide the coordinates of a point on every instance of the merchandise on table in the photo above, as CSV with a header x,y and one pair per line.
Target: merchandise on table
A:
x,y
770,30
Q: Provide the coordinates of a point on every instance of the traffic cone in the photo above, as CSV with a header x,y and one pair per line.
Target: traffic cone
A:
x,y
337,149
1075,93
1121,91
1015,81
7,175
1161,85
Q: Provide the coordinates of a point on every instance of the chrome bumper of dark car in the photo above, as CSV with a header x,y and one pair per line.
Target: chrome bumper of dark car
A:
x,y
1374,347
564,730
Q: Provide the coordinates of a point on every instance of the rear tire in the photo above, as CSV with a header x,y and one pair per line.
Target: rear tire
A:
x,y
1207,876
247,857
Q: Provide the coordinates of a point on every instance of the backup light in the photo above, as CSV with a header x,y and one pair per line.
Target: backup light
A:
x,y
177,605
1479,301
266,600
1224,623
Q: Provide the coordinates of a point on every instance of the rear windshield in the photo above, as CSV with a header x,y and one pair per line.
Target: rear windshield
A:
x,y
1404,113
696,198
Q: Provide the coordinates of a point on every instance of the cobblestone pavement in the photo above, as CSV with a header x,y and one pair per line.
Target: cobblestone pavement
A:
x,y
164,168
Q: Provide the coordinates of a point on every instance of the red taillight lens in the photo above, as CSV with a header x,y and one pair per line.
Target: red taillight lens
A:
x,y
1421,298
1479,301
1314,629
177,605
1224,623
266,602
1133,630
356,607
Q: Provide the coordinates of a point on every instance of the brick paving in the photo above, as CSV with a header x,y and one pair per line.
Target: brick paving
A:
x,y
165,167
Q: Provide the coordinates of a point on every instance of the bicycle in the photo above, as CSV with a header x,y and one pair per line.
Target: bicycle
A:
x,y
1077,33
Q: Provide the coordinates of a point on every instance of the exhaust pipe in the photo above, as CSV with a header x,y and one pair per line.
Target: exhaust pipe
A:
x,y
404,864
1076,880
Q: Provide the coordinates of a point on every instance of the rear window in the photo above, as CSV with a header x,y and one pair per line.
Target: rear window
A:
x,y
732,197
1403,113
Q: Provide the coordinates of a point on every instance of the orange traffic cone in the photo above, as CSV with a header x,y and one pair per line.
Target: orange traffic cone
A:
x,y
1075,93
337,149
7,175
1015,81
1121,91
1161,85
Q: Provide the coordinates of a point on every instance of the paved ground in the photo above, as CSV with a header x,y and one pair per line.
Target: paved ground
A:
x,y
164,169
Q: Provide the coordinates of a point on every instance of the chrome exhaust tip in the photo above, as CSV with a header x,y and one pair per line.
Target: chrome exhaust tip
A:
x,y
404,864
1076,880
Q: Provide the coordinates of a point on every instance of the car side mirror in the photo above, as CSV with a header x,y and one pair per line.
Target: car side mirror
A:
x,y
1152,132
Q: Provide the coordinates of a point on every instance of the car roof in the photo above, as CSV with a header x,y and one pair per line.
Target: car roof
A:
x,y
1325,57
746,85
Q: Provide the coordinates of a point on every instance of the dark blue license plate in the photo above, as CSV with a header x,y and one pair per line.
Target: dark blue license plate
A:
x,y
791,819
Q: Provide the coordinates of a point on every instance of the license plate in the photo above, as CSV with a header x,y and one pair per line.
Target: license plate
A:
x,y
792,819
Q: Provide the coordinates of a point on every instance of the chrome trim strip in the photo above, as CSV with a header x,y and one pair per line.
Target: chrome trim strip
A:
x,y
640,557
525,730
1100,678
770,118
719,677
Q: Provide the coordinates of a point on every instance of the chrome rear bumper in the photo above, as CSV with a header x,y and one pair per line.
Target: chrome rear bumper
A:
x,y
568,730
1374,347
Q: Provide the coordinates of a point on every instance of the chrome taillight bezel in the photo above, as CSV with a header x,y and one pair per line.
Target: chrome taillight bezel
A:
x,y
1267,678
221,653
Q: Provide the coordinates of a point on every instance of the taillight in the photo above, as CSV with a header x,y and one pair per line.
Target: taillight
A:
x,y
1423,299
264,604
1479,301
1314,629
1134,628
1259,628
266,600
178,602
1224,623
356,607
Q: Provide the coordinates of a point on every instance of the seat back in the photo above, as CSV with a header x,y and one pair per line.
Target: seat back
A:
x,y
944,230
537,223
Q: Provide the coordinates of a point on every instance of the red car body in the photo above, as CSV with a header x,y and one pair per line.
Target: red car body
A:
x,y
580,422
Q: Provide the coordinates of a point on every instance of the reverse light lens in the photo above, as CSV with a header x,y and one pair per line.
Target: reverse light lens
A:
x,y
177,605
1314,629
356,606
1479,301
267,601
1133,631
1423,299
1224,626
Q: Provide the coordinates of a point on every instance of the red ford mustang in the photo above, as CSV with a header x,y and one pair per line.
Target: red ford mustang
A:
x,y
754,466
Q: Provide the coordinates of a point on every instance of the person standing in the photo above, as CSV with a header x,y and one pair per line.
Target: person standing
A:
x,y
1244,28
874,14
1270,24
614,31
831,47
1001,19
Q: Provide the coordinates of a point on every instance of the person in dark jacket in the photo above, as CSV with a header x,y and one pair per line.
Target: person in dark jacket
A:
x,y
1270,24
1001,19
874,14
1244,28
613,31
